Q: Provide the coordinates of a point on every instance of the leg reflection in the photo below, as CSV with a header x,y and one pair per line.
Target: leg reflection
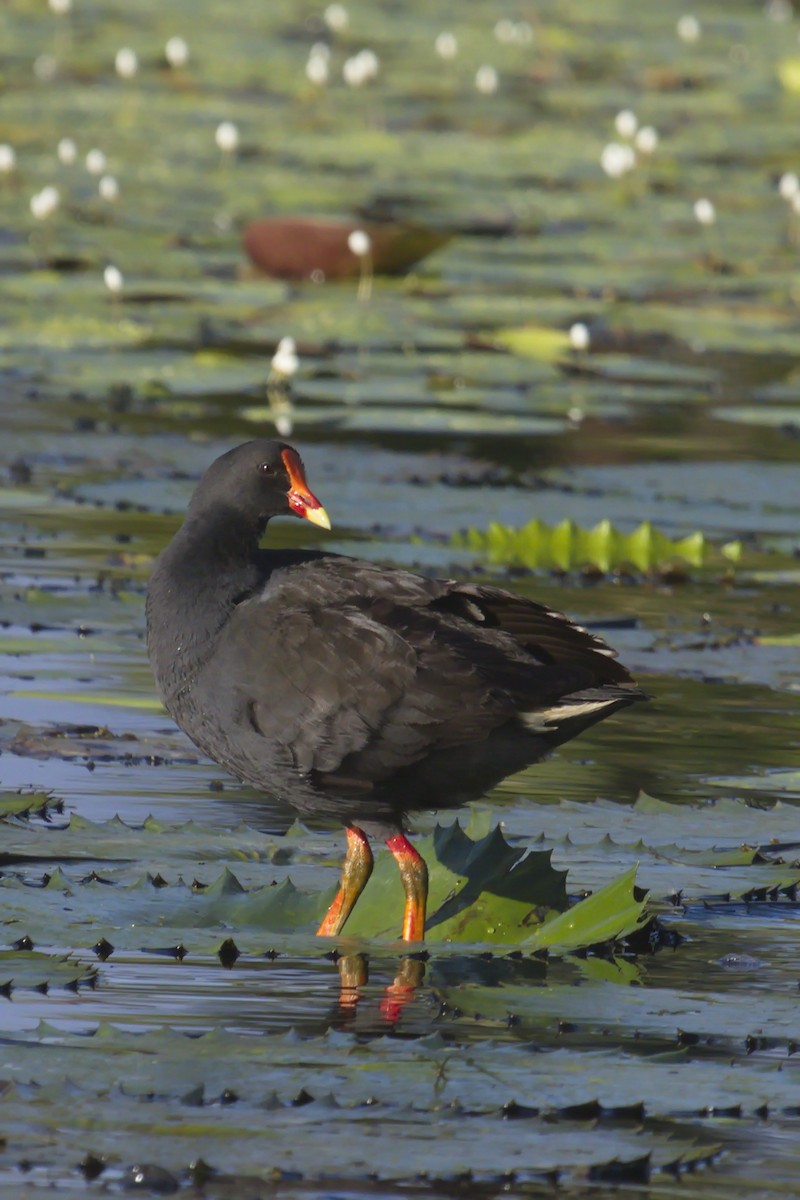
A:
x,y
402,989
354,975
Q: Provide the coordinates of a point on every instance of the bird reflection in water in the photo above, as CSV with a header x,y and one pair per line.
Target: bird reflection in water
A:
x,y
353,979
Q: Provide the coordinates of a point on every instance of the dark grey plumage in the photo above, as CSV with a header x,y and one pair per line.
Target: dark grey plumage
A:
x,y
348,689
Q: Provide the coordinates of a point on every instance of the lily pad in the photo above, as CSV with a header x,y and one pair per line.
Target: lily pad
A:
x,y
566,546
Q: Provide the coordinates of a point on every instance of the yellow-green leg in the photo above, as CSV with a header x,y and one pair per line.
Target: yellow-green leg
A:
x,y
414,875
356,871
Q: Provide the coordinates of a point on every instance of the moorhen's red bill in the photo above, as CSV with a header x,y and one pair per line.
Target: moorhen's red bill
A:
x,y
352,690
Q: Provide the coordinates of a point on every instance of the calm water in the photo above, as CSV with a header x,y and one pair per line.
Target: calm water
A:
x,y
421,413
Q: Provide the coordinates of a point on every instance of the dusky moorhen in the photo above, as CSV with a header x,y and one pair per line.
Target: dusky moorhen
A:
x,y
354,690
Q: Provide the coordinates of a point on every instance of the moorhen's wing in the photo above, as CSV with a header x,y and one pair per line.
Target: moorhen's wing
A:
x,y
549,636
318,681
337,682
355,668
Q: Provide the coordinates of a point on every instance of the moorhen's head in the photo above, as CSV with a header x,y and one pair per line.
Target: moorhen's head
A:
x,y
256,481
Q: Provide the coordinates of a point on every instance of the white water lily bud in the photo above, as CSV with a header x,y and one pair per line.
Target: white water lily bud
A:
x,y
176,52
505,31
45,202
95,162
487,80
227,137
8,159
626,123
317,70
353,73
579,336
446,45
60,7
779,11
617,159
336,17
67,151
704,211
113,279
689,29
126,63
108,188
646,139
285,360
788,185
360,243
370,63
359,69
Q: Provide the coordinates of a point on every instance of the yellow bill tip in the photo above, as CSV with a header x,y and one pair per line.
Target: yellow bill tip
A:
x,y
318,516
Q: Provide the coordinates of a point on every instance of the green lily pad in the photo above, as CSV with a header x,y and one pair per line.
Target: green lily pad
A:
x,y
766,414
17,803
32,969
566,546
480,890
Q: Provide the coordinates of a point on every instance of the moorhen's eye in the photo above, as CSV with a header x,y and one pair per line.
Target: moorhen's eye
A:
x,y
266,468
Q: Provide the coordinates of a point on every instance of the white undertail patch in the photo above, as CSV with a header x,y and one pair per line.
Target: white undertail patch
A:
x,y
549,718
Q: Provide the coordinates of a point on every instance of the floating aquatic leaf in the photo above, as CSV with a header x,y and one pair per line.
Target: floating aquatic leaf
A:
x,y
15,803
481,890
773,781
534,341
299,247
610,914
385,1100
566,546
784,416
789,74
33,969
488,891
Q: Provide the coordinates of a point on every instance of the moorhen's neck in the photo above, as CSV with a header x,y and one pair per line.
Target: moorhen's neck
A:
x,y
221,533
211,564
